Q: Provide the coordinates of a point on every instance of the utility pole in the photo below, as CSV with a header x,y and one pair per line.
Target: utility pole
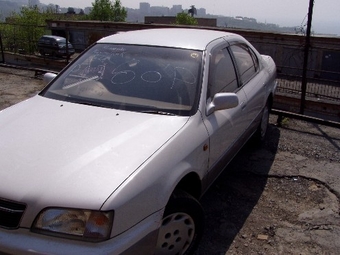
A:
x,y
306,54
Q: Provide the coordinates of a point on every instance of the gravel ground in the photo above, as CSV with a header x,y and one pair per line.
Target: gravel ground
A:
x,y
279,198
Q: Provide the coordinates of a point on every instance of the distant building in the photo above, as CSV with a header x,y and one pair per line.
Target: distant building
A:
x,y
144,7
176,9
201,12
159,10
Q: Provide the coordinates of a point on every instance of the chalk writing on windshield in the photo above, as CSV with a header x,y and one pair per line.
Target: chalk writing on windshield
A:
x,y
118,66
123,77
151,76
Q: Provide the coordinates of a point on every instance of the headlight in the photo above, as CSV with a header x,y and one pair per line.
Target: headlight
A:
x,y
86,225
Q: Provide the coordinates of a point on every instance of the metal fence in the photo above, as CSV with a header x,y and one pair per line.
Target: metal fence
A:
x,y
322,92
323,68
316,89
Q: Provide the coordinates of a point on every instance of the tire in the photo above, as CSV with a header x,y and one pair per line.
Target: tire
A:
x,y
261,131
182,225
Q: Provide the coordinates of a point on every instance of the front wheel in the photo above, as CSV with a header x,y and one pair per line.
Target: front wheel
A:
x,y
182,225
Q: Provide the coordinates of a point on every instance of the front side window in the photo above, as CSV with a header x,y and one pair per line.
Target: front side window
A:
x,y
222,75
132,77
246,61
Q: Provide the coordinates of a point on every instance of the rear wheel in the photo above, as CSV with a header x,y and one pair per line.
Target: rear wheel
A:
x,y
182,226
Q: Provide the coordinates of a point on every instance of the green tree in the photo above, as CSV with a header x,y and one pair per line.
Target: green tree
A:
x,y
105,10
27,27
183,18
70,10
119,12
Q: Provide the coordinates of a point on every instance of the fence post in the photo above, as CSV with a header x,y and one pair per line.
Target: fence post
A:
x,y
2,50
305,61
67,49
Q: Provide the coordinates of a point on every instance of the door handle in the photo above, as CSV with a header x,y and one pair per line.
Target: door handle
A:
x,y
243,105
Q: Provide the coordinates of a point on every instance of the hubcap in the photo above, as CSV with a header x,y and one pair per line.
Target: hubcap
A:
x,y
175,234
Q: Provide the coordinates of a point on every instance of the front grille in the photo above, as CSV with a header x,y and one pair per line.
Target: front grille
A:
x,y
10,213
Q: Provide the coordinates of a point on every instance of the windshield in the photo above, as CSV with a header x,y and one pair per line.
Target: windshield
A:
x,y
130,77
62,43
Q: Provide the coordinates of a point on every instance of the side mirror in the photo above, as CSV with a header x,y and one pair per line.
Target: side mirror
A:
x,y
222,101
48,77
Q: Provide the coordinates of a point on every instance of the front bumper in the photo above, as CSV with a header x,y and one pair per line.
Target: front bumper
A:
x,y
142,238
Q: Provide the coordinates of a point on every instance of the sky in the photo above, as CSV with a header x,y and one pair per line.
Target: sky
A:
x,y
326,13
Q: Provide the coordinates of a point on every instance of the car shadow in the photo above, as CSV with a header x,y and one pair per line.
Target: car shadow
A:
x,y
232,197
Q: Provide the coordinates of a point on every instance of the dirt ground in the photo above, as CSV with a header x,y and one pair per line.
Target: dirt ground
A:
x,y
280,198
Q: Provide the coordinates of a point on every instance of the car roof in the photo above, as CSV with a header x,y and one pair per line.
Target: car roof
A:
x,y
186,38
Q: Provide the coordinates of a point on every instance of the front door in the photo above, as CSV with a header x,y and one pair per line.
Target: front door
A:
x,y
225,127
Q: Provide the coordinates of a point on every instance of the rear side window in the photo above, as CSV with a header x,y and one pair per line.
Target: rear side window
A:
x,y
246,61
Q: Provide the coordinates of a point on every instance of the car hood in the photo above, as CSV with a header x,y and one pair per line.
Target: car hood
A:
x,y
55,153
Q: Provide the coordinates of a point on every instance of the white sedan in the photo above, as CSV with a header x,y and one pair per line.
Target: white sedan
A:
x,y
114,154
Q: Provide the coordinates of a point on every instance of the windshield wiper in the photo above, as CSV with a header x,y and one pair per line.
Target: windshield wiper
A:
x,y
84,101
158,112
